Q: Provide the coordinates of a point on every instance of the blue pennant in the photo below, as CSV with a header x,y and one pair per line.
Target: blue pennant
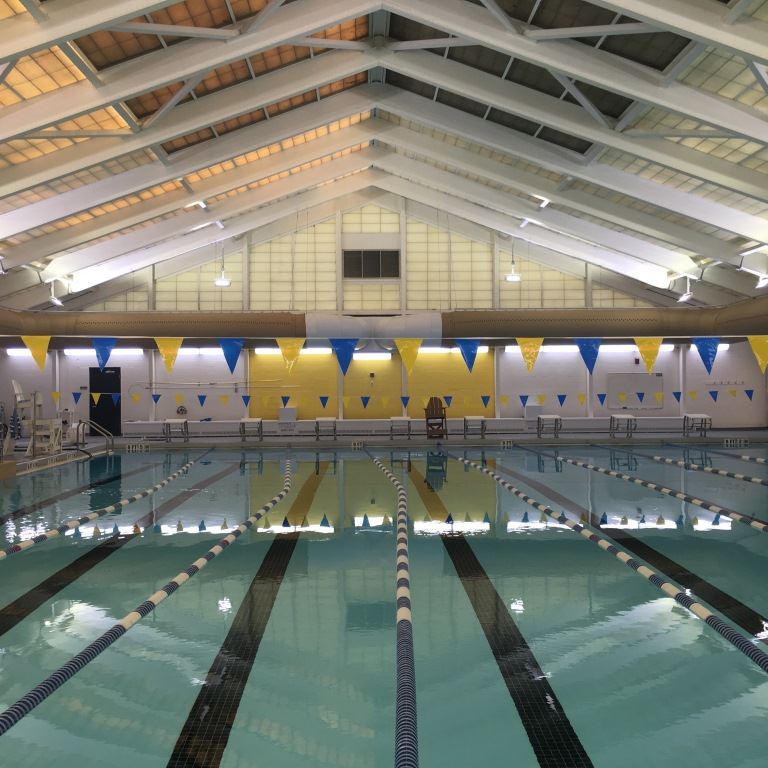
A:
x,y
115,398
285,399
366,521
713,393
486,399
486,519
405,399
324,400
707,346
640,396
523,399
156,397
286,524
448,400
677,396
588,349
344,349
561,399
468,349
201,527
201,399
449,519
77,395
103,348
231,349
604,519
749,393
246,399
601,397
524,518
365,399
324,522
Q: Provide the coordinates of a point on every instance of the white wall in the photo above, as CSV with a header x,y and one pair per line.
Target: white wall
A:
x,y
556,372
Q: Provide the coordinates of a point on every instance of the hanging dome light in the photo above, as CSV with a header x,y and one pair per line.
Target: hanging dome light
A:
x,y
222,281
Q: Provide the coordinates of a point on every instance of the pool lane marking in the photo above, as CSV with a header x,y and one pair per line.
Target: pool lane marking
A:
x,y
751,459
746,646
205,734
406,726
38,505
15,612
75,522
753,522
690,466
739,613
546,724
54,681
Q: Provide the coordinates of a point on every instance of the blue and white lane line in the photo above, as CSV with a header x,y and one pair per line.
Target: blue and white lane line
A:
x,y
406,731
659,580
55,680
691,466
76,522
753,522
751,459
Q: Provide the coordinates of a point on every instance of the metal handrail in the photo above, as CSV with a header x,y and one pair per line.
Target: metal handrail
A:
x,y
109,438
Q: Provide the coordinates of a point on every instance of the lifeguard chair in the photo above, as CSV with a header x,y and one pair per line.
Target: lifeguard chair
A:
x,y
434,415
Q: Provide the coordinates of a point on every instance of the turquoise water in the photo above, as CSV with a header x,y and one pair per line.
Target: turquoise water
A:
x,y
642,681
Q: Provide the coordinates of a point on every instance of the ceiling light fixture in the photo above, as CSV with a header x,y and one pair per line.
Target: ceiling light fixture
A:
x,y
55,300
762,281
222,281
513,276
687,295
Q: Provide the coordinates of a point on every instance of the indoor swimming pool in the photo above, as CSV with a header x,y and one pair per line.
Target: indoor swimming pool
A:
x,y
532,645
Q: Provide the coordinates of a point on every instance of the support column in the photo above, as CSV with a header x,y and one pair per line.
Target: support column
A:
x,y
682,365
339,265
403,255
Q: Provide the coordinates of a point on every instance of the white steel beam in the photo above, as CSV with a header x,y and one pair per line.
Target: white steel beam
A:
x,y
436,42
507,22
322,42
196,157
598,30
175,30
194,219
441,117
587,65
21,35
167,106
705,21
173,64
190,117
578,94
571,119
34,9
639,250
130,262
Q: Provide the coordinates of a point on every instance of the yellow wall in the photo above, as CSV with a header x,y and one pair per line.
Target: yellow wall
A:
x,y
384,389
447,374
312,376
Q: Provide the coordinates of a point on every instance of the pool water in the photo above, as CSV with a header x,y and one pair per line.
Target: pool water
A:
x,y
288,636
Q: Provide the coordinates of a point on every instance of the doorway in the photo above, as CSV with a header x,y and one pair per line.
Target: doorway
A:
x,y
107,412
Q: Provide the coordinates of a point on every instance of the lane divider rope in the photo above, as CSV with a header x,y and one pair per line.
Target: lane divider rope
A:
x,y
656,578
691,466
406,731
55,680
753,522
75,522
752,459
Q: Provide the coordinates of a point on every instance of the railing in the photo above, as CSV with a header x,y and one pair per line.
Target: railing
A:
x,y
109,438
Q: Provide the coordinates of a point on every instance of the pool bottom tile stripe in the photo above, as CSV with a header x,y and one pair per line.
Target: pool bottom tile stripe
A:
x,y
406,726
746,646
15,612
54,681
549,730
205,734
38,505
73,523
742,615
753,522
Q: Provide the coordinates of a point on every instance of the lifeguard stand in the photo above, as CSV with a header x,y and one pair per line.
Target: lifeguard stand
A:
x,y
434,416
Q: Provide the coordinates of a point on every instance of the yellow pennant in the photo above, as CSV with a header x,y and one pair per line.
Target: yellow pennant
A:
x,y
424,402
38,346
759,346
693,394
541,399
582,398
168,347
732,392
136,397
504,399
55,396
223,399
179,398
529,349
95,396
622,397
648,347
290,349
346,399
409,351
659,396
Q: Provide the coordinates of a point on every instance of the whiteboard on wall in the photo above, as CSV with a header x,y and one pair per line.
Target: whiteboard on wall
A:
x,y
630,384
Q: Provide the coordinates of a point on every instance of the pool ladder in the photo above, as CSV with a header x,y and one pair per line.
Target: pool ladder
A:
x,y
109,438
